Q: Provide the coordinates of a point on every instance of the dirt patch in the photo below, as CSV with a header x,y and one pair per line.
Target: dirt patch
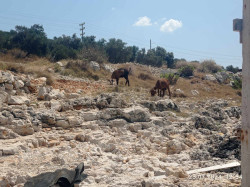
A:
x,y
71,86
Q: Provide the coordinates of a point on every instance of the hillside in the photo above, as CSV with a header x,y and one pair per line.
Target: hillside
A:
x,y
53,116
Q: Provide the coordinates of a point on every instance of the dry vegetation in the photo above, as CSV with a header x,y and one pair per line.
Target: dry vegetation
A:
x,y
141,79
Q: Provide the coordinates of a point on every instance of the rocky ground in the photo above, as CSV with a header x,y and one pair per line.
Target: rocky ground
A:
x,y
123,138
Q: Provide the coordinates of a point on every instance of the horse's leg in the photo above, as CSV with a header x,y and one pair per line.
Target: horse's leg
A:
x,y
163,92
169,92
117,81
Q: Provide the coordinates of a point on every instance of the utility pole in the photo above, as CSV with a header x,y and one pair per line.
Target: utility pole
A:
x,y
81,29
150,44
243,26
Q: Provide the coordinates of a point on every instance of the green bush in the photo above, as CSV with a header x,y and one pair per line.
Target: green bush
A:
x,y
209,66
232,69
171,77
237,83
186,71
62,52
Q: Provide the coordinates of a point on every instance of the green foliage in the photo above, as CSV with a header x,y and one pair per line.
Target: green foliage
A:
x,y
57,68
61,52
155,57
209,66
232,69
186,71
237,83
117,51
32,40
171,77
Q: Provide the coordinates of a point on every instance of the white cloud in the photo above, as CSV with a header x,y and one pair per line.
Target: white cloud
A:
x,y
113,8
143,21
171,25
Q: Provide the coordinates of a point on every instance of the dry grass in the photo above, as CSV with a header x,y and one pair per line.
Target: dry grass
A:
x,y
38,68
138,86
206,89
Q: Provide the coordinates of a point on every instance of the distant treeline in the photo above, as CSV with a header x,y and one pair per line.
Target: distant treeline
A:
x,y
34,41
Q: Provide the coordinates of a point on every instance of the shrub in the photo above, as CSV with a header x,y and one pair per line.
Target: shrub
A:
x,y
186,71
171,77
232,69
209,66
76,66
57,68
92,54
61,52
237,83
18,53
180,64
79,69
144,76
17,68
49,78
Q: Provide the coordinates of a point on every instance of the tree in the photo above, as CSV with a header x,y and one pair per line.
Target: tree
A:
x,y
141,55
117,51
33,40
170,60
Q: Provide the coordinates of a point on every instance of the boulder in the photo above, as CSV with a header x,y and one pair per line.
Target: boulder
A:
x,y
60,64
3,97
43,93
205,122
22,127
222,77
6,133
18,100
90,116
56,94
94,65
55,105
6,77
209,77
62,123
136,114
18,84
117,123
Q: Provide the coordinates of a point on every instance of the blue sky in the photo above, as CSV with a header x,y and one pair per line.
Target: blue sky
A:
x,y
191,29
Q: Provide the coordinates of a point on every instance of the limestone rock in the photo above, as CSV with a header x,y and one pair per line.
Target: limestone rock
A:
x,y
22,128
7,133
18,100
94,65
175,146
209,77
136,114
